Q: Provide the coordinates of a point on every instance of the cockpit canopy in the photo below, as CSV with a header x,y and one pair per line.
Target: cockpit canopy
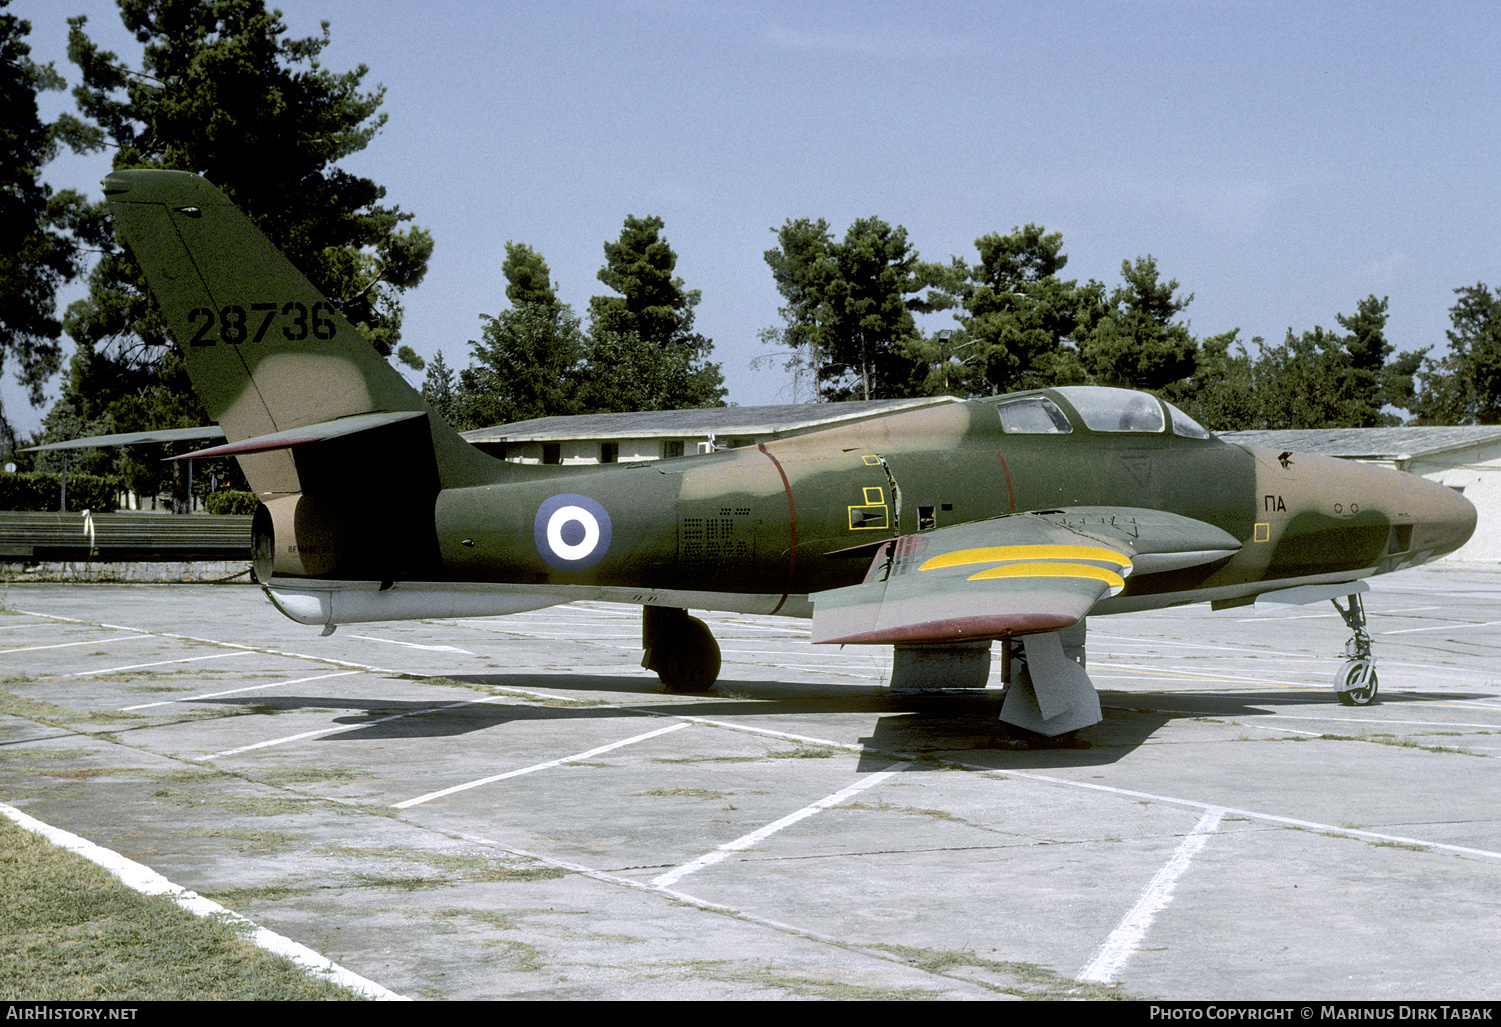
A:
x,y
1102,410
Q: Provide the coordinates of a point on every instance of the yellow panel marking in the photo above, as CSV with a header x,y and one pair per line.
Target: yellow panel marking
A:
x,y
994,554
871,461
1051,570
873,496
1263,532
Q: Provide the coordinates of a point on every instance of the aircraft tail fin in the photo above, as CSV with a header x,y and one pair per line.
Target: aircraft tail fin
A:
x,y
346,456
265,351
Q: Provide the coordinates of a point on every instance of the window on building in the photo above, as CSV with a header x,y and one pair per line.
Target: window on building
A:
x,y
609,452
552,452
672,448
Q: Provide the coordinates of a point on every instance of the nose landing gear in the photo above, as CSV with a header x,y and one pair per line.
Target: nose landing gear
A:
x,y
1355,684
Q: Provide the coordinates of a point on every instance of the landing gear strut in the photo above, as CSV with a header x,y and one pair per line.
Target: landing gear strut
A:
x,y
1355,684
679,648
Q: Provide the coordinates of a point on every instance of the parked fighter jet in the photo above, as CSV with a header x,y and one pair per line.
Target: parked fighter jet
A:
x,y
939,531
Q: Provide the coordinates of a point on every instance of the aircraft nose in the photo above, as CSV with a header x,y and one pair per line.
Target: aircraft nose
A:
x,y
1443,519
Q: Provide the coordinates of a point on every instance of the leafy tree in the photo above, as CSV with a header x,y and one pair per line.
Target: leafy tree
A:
x,y
803,265
666,358
526,365
1306,382
527,362
1314,379
1220,394
1374,375
1464,386
1018,314
851,303
528,279
1135,340
222,91
441,388
35,255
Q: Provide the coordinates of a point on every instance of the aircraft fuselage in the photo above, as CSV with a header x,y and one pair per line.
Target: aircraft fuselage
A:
x,y
801,515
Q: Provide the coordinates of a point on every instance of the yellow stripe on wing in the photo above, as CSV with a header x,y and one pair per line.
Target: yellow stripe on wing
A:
x,y
1051,570
998,554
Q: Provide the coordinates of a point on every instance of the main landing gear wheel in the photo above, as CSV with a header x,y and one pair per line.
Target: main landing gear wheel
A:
x,y
1356,683
681,649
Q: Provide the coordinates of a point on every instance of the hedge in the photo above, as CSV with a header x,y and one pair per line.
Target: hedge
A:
x,y
38,490
226,501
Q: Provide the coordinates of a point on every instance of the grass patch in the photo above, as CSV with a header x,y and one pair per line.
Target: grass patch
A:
x,y
251,841
1027,980
238,898
43,712
88,773
1402,743
243,805
490,917
804,987
306,775
40,753
886,807
72,932
398,883
458,866
690,793
513,955
706,759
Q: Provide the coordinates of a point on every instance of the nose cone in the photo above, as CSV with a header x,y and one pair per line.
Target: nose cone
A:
x,y
1443,519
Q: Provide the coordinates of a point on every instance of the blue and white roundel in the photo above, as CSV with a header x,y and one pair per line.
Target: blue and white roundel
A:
x,y
572,532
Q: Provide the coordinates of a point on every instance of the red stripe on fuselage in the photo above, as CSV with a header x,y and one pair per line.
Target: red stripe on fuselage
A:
x,y
1011,492
791,524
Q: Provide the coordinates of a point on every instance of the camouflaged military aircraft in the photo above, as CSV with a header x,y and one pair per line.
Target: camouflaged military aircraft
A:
x,y
939,531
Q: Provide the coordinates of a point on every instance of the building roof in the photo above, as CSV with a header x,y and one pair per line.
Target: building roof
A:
x,y
1370,443
723,422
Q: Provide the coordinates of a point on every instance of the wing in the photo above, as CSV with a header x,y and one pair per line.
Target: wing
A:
x,y
1016,575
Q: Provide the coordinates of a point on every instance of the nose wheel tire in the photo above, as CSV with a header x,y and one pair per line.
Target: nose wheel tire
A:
x,y
1356,683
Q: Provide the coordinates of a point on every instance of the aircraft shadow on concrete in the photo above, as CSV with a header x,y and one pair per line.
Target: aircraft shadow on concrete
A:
x,y
928,729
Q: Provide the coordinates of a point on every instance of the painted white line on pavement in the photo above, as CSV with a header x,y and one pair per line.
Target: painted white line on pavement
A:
x,y
746,841
158,663
64,645
538,766
1442,627
1111,957
143,879
237,691
415,645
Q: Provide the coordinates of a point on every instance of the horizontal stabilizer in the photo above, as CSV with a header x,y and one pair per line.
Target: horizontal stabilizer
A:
x,y
307,433
136,438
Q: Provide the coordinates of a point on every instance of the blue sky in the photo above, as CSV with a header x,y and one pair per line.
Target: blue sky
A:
x,y
1280,160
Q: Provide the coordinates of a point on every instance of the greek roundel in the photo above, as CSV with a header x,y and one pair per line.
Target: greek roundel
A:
x,y
572,532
